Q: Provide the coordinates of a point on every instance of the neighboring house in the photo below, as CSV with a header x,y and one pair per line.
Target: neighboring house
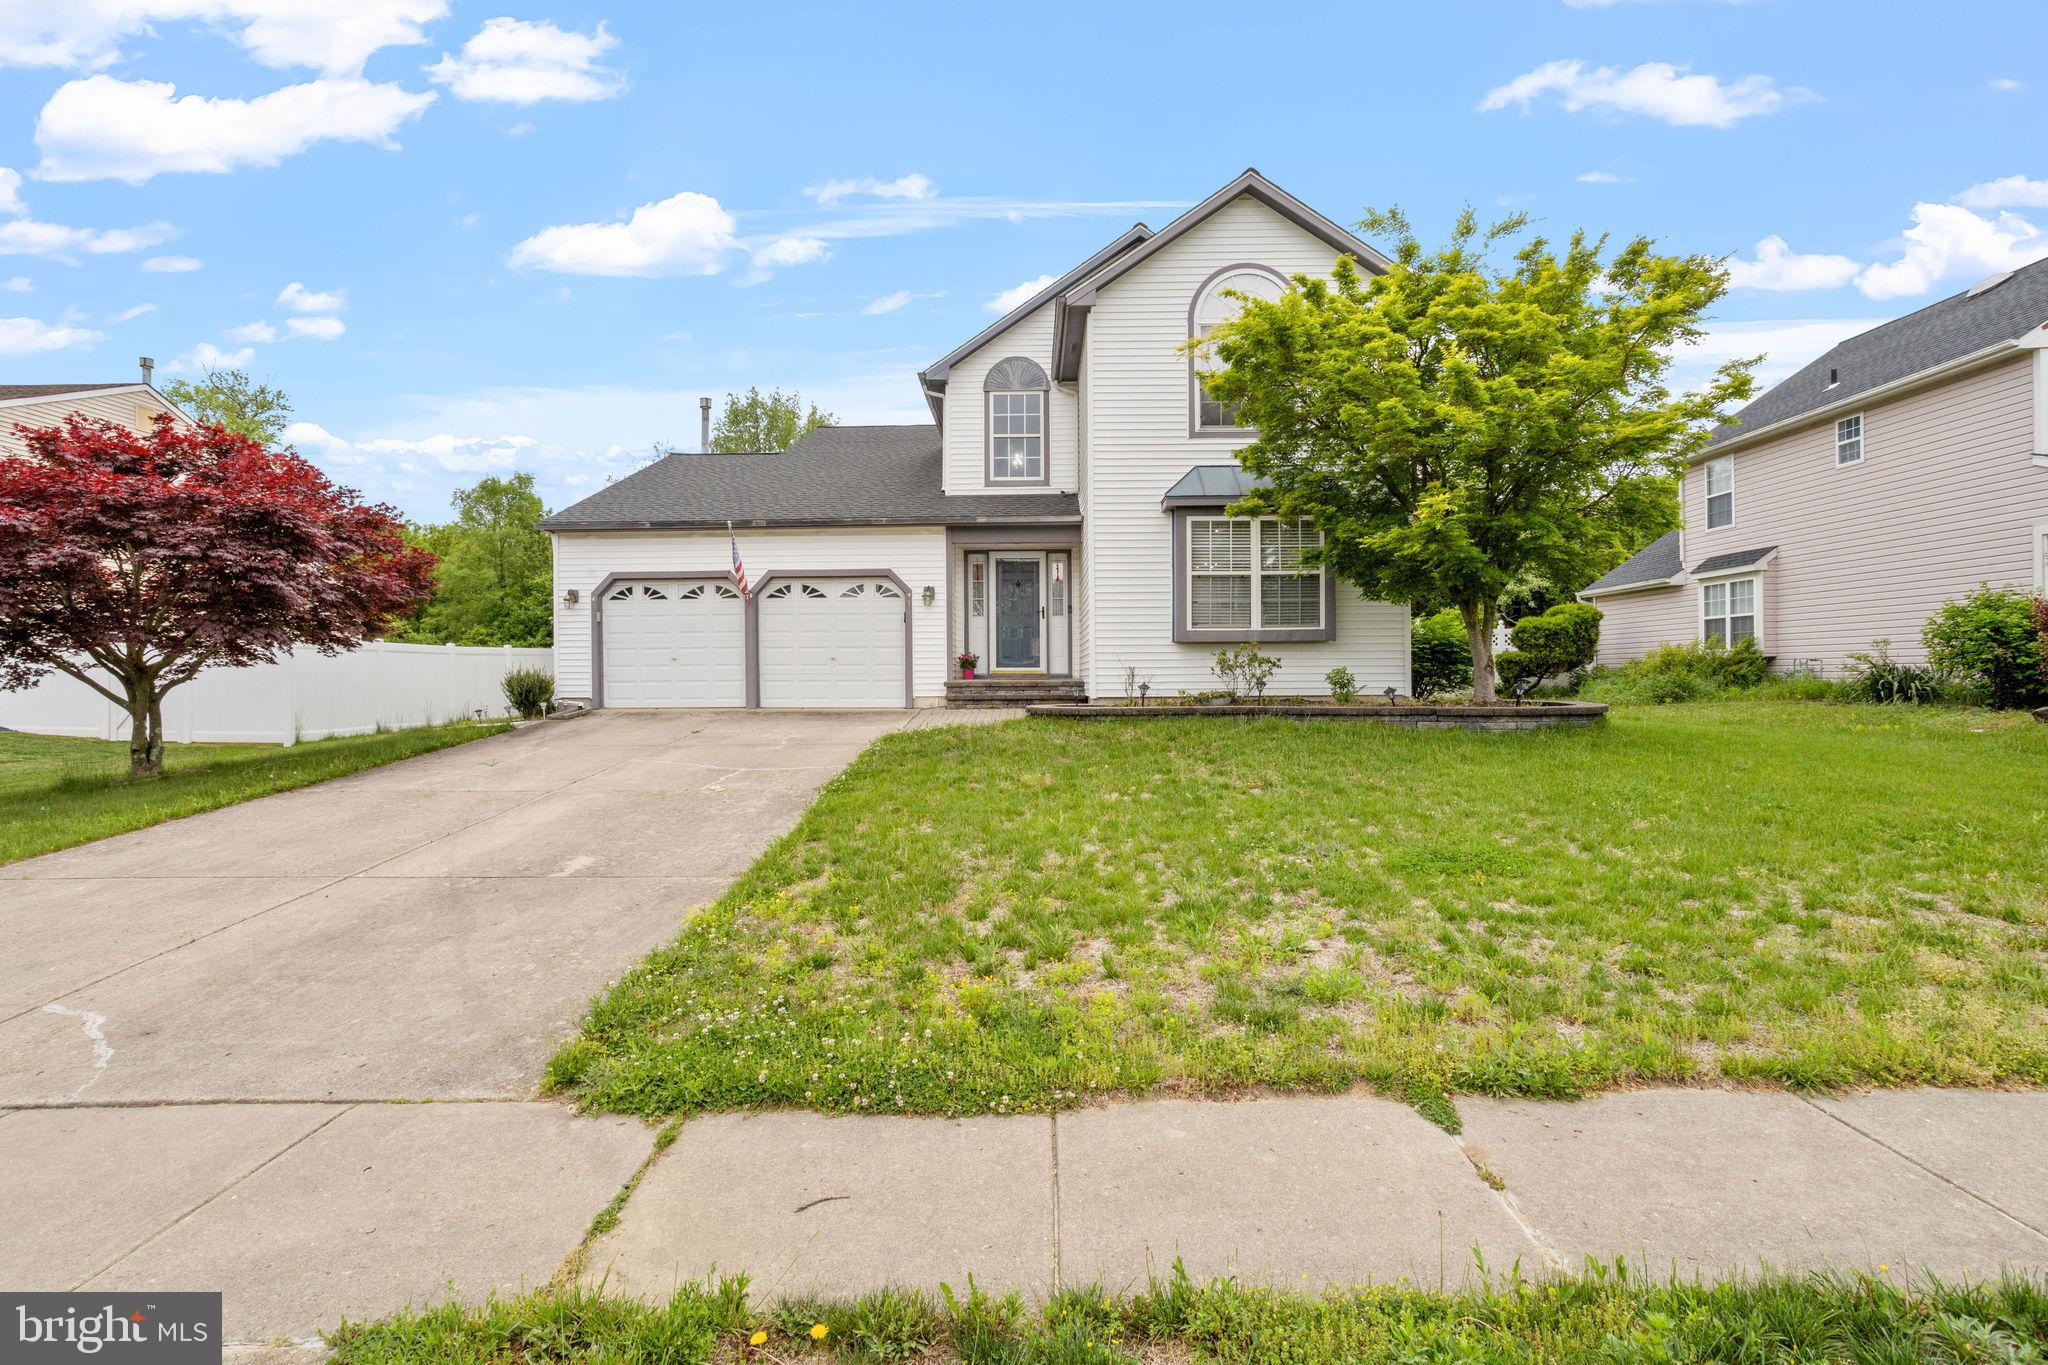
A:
x,y
1063,518
1895,473
133,404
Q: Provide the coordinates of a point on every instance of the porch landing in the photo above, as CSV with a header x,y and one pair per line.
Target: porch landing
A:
x,y
1026,690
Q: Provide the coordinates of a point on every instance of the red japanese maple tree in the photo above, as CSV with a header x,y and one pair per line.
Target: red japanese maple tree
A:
x,y
133,560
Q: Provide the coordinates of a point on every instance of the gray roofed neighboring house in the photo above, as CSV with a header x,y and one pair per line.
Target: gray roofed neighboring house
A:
x,y
1733,560
1208,484
836,476
1656,563
1991,313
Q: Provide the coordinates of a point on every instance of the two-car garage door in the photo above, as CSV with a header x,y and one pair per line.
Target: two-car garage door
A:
x,y
824,642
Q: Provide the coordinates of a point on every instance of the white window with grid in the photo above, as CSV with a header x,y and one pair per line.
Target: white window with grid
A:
x,y
1849,440
1721,492
1016,427
1216,306
1248,575
1728,610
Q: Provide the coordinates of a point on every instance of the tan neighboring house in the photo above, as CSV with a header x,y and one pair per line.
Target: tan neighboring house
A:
x,y
1845,505
133,403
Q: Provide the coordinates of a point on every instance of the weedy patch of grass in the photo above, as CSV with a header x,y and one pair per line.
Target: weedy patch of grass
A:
x,y
57,791
1604,1314
1010,917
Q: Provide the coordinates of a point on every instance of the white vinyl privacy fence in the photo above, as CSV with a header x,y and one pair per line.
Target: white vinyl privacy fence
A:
x,y
305,696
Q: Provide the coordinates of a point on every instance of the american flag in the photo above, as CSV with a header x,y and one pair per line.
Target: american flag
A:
x,y
739,570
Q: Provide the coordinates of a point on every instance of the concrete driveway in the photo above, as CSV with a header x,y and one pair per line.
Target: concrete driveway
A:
x,y
209,1030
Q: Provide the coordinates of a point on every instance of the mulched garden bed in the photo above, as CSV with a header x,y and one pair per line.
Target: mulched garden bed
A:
x,y
1529,715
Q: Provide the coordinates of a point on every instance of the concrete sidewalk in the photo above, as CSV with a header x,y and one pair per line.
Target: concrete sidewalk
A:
x,y
1306,1193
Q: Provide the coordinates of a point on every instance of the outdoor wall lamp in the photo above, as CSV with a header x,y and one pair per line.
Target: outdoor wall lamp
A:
x,y
569,598
930,594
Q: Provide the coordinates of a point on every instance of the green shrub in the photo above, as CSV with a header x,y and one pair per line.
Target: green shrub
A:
x,y
1244,671
1876,676
1343,684
1560,642
531,691
1441,655
1990,639
1716,665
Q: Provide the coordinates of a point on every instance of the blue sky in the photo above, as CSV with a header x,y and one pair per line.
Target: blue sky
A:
x,y
469,238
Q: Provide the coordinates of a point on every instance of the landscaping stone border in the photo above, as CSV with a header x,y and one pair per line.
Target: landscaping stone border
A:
x,y
1534,715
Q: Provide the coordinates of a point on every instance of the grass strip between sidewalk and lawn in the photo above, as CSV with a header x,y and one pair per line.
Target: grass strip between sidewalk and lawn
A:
x,y
56,791
1603,1315
1010,917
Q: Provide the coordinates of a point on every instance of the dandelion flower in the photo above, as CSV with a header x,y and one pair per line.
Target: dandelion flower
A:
x,y
819,1331
758,1339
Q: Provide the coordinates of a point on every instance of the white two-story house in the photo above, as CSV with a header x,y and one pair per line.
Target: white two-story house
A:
x,y
1062,518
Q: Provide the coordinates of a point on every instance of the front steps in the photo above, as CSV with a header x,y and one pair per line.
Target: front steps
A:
x,y
1028,690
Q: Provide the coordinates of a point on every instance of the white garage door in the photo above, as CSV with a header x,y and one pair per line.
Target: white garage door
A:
x,y
832,642
674,644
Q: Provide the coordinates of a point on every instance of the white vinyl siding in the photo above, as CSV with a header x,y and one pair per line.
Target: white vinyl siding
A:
x,y
124,407
1720,492
917,555
1849,440
1136,399
964,440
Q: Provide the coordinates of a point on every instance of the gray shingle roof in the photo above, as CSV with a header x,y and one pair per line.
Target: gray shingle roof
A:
x,y
1652,564
13,391
1733,559
1210,483
836,476
1937,334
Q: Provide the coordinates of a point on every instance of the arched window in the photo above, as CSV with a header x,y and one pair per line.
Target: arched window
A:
x,y
1213,304
1016,391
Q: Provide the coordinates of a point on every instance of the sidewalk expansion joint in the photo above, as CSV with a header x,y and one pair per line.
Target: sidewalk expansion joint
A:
x,y
1054,1123
219,1101
1506,1198
1914,1161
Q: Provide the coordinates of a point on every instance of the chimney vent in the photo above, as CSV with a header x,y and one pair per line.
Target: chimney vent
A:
x,y
704,424
148,369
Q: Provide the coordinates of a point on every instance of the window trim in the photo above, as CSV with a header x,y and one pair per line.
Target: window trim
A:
x,y
1183,633
1756,604
1862,445
989,476
1707,493
2041,558
1196,430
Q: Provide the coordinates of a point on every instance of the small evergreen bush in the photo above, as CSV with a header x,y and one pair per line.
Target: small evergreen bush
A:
x,y
1558,643
1716,665
1990,639
1440,654
531,692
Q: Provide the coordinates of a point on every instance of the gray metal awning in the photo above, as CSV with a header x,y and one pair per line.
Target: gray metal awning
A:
x,y
1211,485
1732,562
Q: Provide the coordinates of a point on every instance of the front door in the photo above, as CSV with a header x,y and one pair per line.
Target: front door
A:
x,y
1020,614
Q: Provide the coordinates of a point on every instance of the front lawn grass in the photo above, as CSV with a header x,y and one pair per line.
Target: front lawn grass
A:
x,y
56,792
1016,916
1597,1316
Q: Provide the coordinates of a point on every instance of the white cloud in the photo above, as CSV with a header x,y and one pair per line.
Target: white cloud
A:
x,y
685,234
130,314
101,128
513,61
28,237
335,38
318,329
172,265
207,356
1785,345
1949,242
791,251
300,299
30,336
912,186
20,284
1603,178
1776,266
888,303
1016,294
457,454
1656,90
10,191
2006,192
2006,83
254,331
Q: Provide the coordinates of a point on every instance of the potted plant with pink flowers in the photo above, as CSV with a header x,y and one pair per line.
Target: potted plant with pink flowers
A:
x,y
967,662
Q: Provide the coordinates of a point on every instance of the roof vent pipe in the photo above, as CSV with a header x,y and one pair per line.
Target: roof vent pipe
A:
x,y
148,369
704,424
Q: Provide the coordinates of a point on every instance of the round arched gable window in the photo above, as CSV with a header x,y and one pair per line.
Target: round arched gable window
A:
x,y
1214,304
1016,389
